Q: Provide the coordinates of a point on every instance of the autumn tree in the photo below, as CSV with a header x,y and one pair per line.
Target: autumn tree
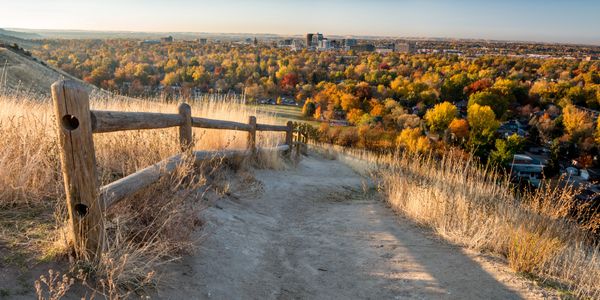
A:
x,y
439,117
578,123
349,102
412,140
498,103
354,116
483,125
453,88
459,128
309,108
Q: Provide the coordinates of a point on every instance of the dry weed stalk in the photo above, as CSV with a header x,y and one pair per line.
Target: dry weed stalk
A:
x,y
53,286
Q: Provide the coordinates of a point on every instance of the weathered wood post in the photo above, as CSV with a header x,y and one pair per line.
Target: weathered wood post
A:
x,y
252,134
288,137
186,139
297,144
74,128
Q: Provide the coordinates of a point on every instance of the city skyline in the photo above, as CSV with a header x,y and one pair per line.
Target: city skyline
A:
x,y
539,21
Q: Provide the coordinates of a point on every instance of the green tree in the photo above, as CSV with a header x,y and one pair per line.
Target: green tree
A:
x,y
498,103
506,149
453,88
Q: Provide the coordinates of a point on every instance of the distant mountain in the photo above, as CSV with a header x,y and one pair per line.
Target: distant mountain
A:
x,y
20,35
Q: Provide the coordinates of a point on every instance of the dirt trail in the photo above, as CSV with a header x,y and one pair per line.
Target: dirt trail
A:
x,y
313,233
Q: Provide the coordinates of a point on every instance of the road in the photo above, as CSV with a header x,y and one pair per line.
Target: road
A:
x,y
318,231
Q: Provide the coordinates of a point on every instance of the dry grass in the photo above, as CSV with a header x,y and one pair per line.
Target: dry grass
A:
x,y
477,208
151,228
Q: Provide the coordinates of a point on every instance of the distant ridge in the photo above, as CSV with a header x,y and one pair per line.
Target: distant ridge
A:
x,y
20,35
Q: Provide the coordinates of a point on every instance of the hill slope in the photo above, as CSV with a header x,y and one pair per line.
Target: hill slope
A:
x,y
23,73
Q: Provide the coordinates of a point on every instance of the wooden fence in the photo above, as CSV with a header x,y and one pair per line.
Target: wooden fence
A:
x,y
76,124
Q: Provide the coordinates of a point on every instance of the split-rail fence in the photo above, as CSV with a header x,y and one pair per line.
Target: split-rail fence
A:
x,y
76,124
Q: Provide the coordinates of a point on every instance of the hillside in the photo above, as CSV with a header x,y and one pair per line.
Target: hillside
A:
x,y
24,73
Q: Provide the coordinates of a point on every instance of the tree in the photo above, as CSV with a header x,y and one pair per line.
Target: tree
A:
x,y
459,128
439,117
289,81
578,123
170,79
349,102
413,140
354,116
506,149
498,103
453,88
309,108
318,115
598,133
483,124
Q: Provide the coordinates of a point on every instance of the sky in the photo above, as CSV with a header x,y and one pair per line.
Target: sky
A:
x,y
574,21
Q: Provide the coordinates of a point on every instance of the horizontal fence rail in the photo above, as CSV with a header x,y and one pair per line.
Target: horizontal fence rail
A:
x,y
111,121
76,124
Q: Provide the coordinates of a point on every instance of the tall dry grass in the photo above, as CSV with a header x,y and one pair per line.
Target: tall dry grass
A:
x,y
476,207
147,230
29,164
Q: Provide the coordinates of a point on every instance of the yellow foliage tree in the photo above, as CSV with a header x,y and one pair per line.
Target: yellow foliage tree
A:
x,y
578,123
349,102
318,113
413,140
483,123
439,117
355,115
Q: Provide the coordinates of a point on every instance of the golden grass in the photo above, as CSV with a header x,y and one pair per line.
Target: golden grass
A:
x,y
151,228
476,207
29,163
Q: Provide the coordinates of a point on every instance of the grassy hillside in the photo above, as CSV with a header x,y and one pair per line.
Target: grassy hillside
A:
x,y
19,72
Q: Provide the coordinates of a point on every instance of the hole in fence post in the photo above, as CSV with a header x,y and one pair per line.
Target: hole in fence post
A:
x,y
81,209
70,122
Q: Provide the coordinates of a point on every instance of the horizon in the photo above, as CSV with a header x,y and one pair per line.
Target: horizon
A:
x,y
534,21
299,35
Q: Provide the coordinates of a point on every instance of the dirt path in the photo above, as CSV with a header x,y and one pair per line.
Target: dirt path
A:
x,y
313,233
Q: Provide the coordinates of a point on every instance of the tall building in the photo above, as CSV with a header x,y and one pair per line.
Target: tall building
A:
x,y
407,47
317,38
324,44
350,42
309,38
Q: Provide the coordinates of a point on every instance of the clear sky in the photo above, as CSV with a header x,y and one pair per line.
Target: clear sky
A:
x,y
575,21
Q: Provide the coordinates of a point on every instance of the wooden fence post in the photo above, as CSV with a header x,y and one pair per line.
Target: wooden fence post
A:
x,y
288,136
252,134
297,145
186,139
76,144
